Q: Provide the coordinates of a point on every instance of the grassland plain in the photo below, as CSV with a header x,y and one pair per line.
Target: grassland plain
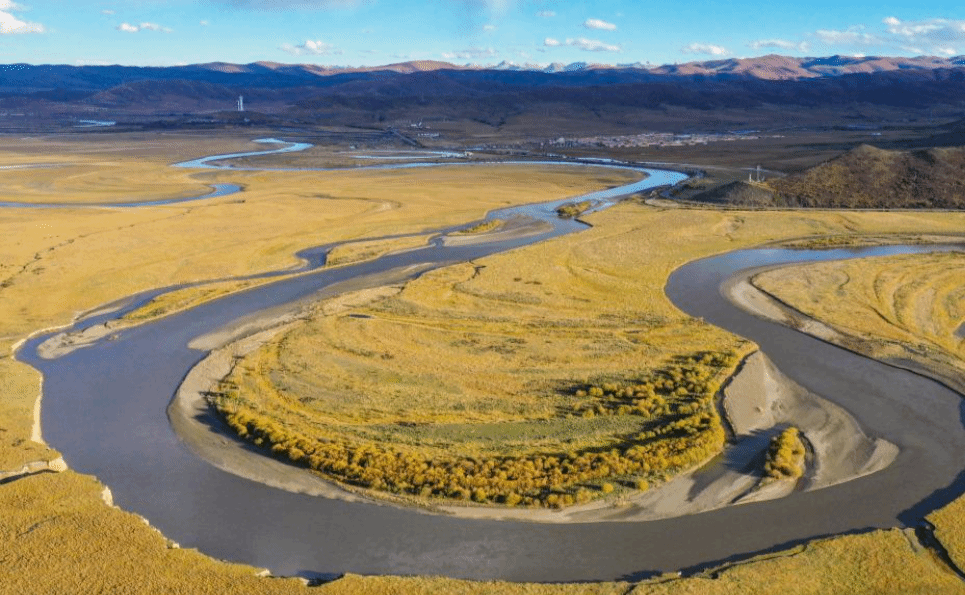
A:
x,y
57,262
870,563
60,536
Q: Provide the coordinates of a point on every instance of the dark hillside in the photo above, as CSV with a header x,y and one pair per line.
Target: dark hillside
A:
x,y
867,177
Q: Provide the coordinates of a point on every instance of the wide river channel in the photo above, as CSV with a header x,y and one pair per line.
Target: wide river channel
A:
x,y
104,408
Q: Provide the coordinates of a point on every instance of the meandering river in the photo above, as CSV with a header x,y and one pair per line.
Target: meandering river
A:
x,y
104,409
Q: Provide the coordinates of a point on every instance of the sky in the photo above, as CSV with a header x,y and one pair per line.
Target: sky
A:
x,y
485,32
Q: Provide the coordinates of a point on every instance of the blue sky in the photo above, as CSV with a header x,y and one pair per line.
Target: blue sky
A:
x,y
372,32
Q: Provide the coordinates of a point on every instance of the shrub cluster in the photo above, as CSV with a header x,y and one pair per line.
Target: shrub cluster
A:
x,y
573,209
785,455
481,227
684,388
681,424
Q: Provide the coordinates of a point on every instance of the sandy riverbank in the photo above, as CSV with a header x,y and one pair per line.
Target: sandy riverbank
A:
x,y
842,450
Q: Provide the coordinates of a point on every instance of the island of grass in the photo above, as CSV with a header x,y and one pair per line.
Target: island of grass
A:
x,y
485,226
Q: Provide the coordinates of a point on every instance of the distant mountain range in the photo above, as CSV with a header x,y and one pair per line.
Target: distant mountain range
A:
x,y
614,96
771,67
26,77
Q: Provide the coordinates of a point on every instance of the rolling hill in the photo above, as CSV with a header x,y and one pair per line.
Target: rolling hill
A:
x,y
864,177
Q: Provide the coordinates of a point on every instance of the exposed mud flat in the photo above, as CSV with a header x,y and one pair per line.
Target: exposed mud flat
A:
x,y
64,343
512,229
761,398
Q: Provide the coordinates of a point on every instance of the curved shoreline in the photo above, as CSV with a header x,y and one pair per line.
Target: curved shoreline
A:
x,y
768,306
758,399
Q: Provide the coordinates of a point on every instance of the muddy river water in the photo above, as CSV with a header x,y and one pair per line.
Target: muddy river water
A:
x,y
104,409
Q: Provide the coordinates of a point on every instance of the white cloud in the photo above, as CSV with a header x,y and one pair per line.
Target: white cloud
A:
x,y
852,36
779,44
936,35
470,54
550,42
592,45
11,25
109,13
598,24
205,23
546,14
311,48
933,29
489,27
705,48
129,28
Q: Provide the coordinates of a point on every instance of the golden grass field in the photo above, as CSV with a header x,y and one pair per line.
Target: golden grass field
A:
x,y
950,530
897,308
56,534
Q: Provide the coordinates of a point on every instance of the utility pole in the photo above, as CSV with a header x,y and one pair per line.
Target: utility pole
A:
x,y
755,175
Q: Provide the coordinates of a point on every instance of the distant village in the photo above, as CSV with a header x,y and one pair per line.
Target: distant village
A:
x,y
657,139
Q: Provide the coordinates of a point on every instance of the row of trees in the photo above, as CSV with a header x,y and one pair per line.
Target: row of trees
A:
x,y
682,429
